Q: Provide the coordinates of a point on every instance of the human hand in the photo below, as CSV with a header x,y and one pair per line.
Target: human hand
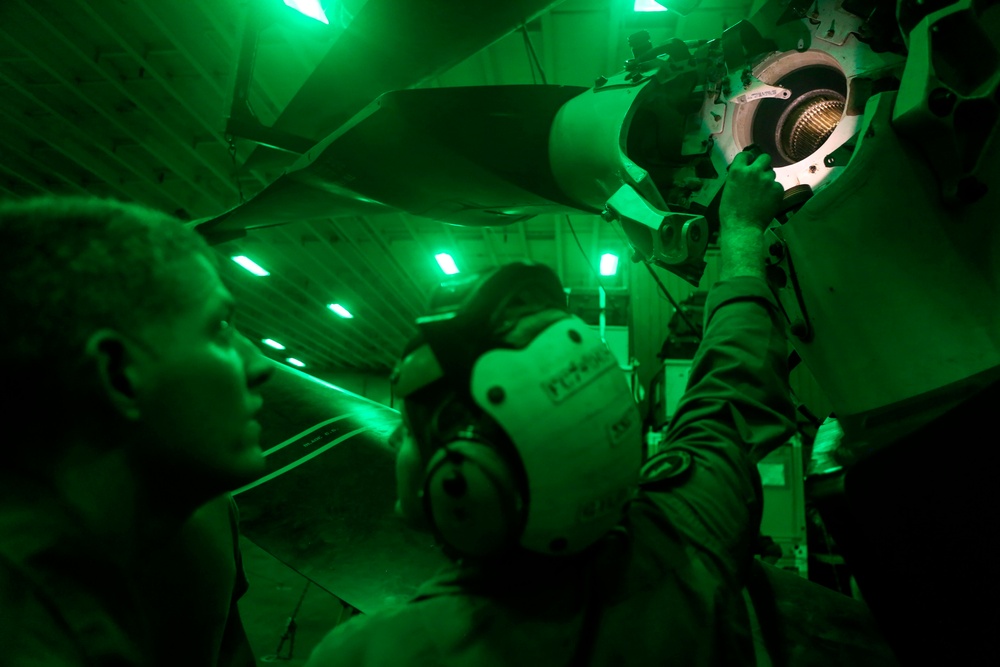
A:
x,y
752,196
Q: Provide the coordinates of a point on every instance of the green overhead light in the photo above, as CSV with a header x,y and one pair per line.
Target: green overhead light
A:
x,y
446,263
647,6
273,343
295,362
340,310
310,8
250,265
609,264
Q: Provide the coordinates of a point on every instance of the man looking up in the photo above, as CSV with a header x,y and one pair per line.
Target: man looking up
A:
x,y
130,412
521,451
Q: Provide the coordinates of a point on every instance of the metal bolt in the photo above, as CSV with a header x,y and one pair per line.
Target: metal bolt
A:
x,y
776,250
694,233
575,336
495,395
941,101
667,234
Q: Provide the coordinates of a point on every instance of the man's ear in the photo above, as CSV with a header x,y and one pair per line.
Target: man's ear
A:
x,y
118,375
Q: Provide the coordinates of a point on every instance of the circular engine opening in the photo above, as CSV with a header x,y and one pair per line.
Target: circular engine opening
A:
x,y
791,130
808,123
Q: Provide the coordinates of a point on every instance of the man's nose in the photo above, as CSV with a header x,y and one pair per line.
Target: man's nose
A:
x,y
259,369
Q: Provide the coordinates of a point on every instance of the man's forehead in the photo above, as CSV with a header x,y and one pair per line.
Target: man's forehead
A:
x,y
207,284
203,292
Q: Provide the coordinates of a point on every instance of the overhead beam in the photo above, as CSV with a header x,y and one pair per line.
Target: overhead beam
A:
x,y
154,72
453,245
522,230
78,154
10,193
312,317
595,249
401,335
180,143
26,158
231,51
264,319
417,291
547,46
488,242
21,177
558,239
68,150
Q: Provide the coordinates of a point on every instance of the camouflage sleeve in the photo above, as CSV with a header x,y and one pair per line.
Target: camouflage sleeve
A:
x,y
735,410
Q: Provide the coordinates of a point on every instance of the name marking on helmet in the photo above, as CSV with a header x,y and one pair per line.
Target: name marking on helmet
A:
x,y
598,507
579,373
621,428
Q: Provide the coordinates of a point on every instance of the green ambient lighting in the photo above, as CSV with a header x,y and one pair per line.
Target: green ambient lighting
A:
x,y
340,310
250,266
609,264
295,362
446,263
647,6
273,343
310,8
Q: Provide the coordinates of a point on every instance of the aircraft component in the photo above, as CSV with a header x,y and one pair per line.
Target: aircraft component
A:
x,y
675,241
948,102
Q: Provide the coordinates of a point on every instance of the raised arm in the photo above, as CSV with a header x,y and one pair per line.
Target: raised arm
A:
x,y
736,407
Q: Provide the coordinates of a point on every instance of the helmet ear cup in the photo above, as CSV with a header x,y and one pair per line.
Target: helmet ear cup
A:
x,y
471,499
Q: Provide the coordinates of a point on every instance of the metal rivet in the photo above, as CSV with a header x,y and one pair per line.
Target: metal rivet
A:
x,y
941,102
574,336
495,395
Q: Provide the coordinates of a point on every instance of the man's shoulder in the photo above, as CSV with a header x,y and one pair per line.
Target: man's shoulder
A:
x,y
399,636
31,632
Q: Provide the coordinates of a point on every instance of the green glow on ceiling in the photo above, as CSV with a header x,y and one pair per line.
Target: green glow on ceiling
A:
x,y
647,6
310,8
340,310
250,265
446,263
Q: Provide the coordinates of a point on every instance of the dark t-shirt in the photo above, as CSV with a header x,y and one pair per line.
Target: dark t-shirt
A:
x,y
64,602
666,586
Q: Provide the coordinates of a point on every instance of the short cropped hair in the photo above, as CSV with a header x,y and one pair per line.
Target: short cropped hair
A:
x,y
70,266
